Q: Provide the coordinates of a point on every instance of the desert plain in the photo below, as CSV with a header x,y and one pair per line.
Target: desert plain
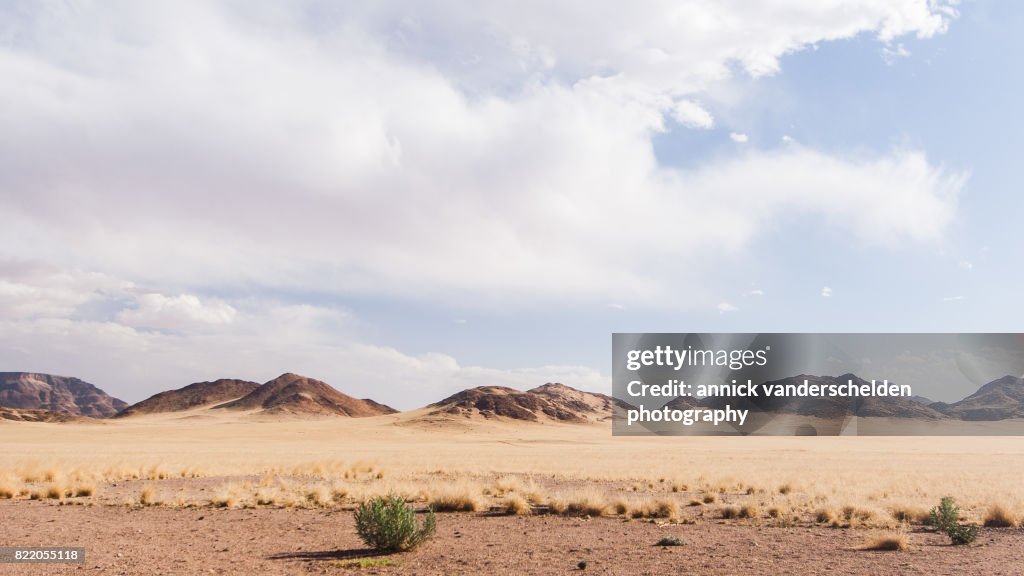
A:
x,y
214,492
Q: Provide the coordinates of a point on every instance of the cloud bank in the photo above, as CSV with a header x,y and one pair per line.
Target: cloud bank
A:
x,y
437,152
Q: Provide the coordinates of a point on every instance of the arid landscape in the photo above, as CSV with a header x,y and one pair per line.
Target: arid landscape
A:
x,y
236,477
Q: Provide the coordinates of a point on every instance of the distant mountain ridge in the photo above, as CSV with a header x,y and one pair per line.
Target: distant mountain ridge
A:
x,y
36,397
998,400
295,394
56,394
191,396
551,402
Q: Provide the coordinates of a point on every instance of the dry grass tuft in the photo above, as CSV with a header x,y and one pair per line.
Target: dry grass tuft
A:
x,y
909,514
890,541
8,490
227,496
84,490
517,505
458,498
664,508
998,516
149,497
320,496
826,516
507,484
587,503
750,511
730,512
710,498
855,516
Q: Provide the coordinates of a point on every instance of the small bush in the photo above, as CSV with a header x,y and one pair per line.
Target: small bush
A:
x,y
670,541
946,518
387,524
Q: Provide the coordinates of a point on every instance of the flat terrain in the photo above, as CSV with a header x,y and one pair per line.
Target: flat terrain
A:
x,y
190,493
289,541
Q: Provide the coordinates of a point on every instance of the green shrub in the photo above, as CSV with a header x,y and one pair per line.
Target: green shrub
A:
x,y
671,541
946,518
387,524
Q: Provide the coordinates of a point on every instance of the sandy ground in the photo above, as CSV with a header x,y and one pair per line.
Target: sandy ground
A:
x,y
120,540
200,454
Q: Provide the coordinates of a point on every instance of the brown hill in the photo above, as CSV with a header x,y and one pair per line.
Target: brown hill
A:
x,y
59,394
298,395
550,402
998,400
191,396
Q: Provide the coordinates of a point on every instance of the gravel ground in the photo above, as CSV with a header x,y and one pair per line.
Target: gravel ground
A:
x,y
122,540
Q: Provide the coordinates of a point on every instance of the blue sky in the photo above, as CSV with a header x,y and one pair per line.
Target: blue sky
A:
x,y
408,201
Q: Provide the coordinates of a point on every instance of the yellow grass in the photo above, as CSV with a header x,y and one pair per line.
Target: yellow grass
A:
x,y
909,514
580,503
455,498
517,505
149,497
888,541
338,462
997,516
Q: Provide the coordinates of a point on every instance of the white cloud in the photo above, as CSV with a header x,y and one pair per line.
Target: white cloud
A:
x,y
151,154
952,298
31,289
965,265
891,54
203,339
343,147
738,137
692,115
158,311
756,292
826,292
725,307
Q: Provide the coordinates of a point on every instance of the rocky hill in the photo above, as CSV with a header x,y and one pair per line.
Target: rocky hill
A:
x,y
550,402
998,400
57,394
191,396
293,394
18,415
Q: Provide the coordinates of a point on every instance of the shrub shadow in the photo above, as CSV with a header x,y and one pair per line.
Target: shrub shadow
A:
x,y
350,554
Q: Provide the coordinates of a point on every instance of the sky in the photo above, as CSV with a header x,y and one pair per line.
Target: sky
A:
x,y
405,200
